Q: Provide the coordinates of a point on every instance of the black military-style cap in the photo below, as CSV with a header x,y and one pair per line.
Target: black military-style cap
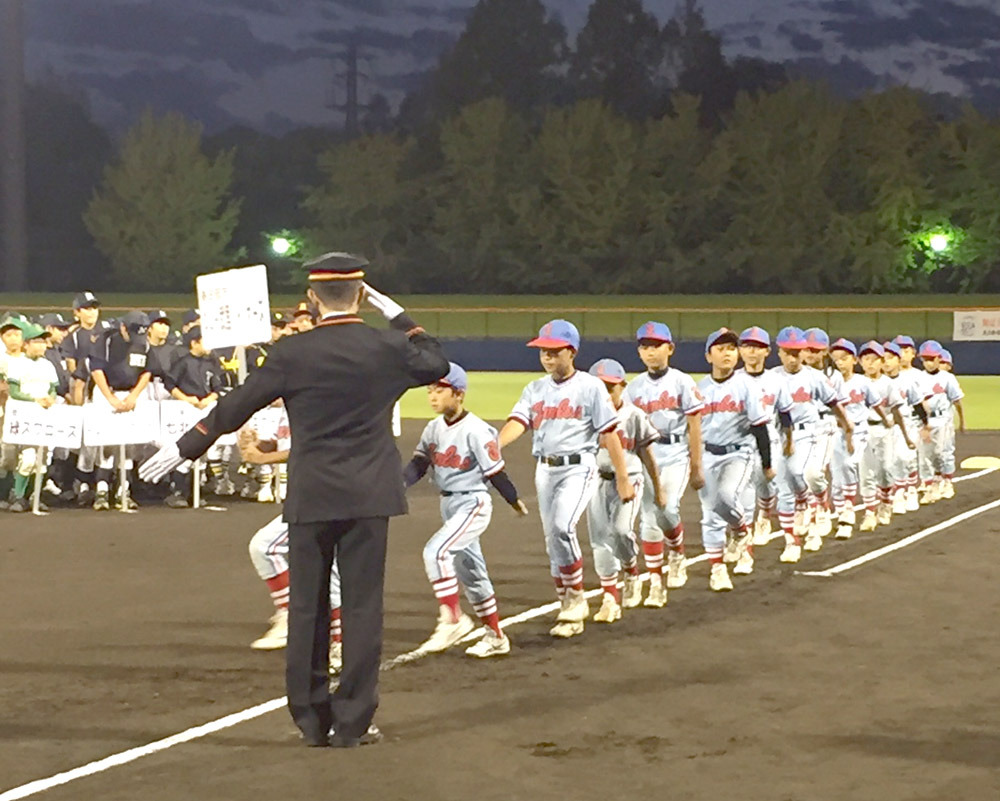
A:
x,y
135,320
337,267
158,316
85,300
190,316
54,320
192,334
278,320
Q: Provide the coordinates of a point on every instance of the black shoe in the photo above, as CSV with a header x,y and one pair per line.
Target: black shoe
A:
x,y
85,498
176,501
20,505
371,737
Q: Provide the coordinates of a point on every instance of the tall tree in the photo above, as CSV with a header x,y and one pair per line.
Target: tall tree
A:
x,y
164,213
618,58
509,49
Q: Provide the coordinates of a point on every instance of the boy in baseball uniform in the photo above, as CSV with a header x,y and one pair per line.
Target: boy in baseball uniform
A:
x,y
462,453
670,399
876,471
734,425
937,442
947,366
610,522
910,382
570,415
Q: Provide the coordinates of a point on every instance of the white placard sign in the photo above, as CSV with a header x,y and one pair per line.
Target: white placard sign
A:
x,y
103,426
980,325
234,307
178,417
27,423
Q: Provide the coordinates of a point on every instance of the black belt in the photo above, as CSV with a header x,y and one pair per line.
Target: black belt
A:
x,y
669,439
447,494
879,422
802,426
559,461
721,450
607,475
935,414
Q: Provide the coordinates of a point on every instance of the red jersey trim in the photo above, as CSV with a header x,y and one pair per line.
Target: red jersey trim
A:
x,y
340,321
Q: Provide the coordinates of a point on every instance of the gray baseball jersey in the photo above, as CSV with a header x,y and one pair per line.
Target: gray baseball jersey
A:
x,y
635,432
805,388
945,391
667,400
462,454
860,395
731,407
565,417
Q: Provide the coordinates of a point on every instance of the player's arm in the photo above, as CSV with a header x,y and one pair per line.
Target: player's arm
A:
x,y
649,462
845,425
423,358
101,382
613,444
511,430
505,487
696,450
415,470
961,414
897,418
140,386
763,439
250,451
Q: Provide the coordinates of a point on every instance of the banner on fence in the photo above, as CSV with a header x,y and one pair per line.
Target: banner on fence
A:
x,y
27,423
977,325
234,306
104,426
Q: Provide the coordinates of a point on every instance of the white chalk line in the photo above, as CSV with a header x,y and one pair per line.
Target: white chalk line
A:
x,y
205,729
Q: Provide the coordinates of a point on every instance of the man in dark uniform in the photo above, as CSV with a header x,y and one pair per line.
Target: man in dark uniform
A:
x,y
162,352
339,383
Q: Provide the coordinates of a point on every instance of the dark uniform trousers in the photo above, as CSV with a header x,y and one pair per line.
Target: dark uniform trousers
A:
x,y
359,547
345,480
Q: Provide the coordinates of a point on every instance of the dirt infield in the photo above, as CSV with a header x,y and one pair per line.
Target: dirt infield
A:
x,y
119,630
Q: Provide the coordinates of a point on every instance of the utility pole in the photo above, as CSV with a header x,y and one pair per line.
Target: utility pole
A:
x,y
13,212
352,105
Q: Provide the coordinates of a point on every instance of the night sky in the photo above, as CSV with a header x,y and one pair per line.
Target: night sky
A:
x,y
273,64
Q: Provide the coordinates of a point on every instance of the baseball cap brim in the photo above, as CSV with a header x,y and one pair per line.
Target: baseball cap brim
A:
x,y
793,345
549,342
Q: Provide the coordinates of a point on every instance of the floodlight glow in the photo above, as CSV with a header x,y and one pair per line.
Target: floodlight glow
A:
x,y
281,245
939,242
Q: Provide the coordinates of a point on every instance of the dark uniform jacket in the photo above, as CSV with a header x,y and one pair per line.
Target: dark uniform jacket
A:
x,y
122,362
198,376
339,383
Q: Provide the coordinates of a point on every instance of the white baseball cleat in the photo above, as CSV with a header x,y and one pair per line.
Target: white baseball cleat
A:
x,y
575,608
899,503
632,592
336,657
912,499
869,521
947,489
610,610
719,580
792,553
925,496
824,522
744,567
490,645
934,492
732,550
275,637
762,531
265,494
677,573
812,542
447,632
885,511
656,598
848,517
566,630
844,532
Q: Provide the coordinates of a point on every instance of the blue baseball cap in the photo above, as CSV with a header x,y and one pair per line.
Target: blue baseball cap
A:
x,y
904,341
930,349
654,330
816,339
893,348
609,371
719,336
791,338
457,378
557,334
757,335
871,346
845,344
946,356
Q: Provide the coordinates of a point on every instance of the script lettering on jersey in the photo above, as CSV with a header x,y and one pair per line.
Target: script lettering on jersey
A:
x,y
666,402
449,458
540,412
801,395
939,389
726,405
768,400
628,443
857,396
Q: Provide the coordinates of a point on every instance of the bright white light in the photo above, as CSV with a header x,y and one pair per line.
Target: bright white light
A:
x,y
939,242
280,245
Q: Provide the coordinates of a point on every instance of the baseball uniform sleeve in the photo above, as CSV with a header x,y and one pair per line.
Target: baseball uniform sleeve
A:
x,y
485,449
757,412
782,399
522,409
824,390
644,431
952,388
424,361
602,411
691,400
423,446
872,397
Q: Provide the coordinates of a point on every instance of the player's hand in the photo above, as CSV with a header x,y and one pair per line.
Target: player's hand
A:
x,y
925,433
383,303
697,477
117,404
909,443
770,473
128,404
519,507
626,491
789,448
46,402
661,497
158,466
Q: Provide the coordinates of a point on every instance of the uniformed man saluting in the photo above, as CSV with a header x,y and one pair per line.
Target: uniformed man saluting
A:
x,y
339,383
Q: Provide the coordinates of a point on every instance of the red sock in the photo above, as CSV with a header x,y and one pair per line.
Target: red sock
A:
x,y
675,539
446,591
632,568
714,555
560,589
488,612
278,587
653,554
335,630
610,586
572,575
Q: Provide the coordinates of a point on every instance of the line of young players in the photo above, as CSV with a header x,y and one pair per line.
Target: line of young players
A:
x,y
123,363
803,440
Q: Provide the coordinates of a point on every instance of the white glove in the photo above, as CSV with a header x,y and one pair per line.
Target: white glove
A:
x,y
158,466
389,308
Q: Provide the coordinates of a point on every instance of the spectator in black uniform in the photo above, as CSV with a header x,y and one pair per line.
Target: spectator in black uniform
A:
x,y
162,354
63,469
83,343
195,378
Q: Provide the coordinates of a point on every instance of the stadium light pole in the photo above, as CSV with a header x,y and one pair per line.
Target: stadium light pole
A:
x,y
13,180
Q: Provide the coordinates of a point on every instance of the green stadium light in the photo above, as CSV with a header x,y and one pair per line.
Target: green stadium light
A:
x,y
281,246
939,242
